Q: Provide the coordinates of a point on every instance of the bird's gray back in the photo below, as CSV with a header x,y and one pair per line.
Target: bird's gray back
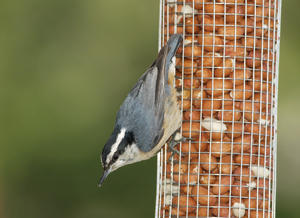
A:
x,y
143,109
141,113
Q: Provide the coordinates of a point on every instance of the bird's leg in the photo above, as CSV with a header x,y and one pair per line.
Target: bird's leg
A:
x,y
175,139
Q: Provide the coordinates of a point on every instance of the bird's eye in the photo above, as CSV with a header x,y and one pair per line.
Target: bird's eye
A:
x,y
115,157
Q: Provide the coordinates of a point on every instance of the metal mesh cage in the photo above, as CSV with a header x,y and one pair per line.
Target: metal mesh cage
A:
x,y
227,81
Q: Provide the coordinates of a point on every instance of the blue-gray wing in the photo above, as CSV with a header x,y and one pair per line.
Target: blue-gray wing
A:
x,y
143,109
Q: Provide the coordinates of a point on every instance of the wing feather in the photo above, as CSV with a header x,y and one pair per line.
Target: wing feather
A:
x,y
143,109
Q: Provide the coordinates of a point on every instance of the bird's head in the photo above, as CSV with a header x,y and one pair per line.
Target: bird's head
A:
x,y
120,150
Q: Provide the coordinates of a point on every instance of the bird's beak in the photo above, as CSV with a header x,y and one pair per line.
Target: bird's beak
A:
x,y
103,177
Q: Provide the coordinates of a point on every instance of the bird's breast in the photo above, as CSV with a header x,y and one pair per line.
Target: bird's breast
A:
x,y
172,119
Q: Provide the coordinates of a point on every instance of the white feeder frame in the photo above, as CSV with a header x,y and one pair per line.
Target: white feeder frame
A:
x,y
166,187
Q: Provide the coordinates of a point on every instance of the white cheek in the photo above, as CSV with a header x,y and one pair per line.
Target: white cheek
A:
x,y
119,163
131,155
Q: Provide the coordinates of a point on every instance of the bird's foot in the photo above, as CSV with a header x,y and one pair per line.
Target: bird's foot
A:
x,y
175,139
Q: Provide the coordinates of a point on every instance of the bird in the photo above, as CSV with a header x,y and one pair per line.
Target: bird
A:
x,y
149,115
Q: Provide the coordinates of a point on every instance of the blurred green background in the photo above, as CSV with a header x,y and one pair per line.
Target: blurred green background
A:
x,y
65,66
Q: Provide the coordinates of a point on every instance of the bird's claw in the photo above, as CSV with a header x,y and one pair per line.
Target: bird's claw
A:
x,y
174,141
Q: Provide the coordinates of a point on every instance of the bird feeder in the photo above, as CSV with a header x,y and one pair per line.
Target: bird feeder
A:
x,y
227,82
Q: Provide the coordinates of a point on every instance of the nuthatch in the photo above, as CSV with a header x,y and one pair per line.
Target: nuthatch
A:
x,y
148,117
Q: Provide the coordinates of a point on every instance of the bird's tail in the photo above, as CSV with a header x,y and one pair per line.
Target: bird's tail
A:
x,y
172,46
164,60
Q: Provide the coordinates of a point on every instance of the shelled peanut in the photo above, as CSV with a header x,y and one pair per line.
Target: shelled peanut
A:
x,y
225,73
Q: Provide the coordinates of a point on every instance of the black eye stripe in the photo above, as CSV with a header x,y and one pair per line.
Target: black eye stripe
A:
x,y
115,157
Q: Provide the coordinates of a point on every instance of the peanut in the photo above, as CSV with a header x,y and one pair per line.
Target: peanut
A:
x,y
211,42
241,92
192,115
226,166
225,69
192,25
191,83
194,173
218,87
243,144
229,114
202,212
244,159
214,8
234,130
240,189
189,66
232,1
222,186
203,75
260,214
203,196
187,147
210,59
242,173
224,199
184,104
178,171
219,149
190,129
235,14
222,211
182,202
235,50
210,106
207,179
232,32
239,76
208,162
210,24
226,99
251,110
259,85
190,50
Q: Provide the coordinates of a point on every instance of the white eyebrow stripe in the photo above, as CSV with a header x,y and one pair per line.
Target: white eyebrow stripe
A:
x,y
114,147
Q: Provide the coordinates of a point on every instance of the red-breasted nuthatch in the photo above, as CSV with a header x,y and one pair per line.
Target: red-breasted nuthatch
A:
x,y
148,117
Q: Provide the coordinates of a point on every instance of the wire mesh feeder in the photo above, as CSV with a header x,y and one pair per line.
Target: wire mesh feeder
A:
x,y
227,80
